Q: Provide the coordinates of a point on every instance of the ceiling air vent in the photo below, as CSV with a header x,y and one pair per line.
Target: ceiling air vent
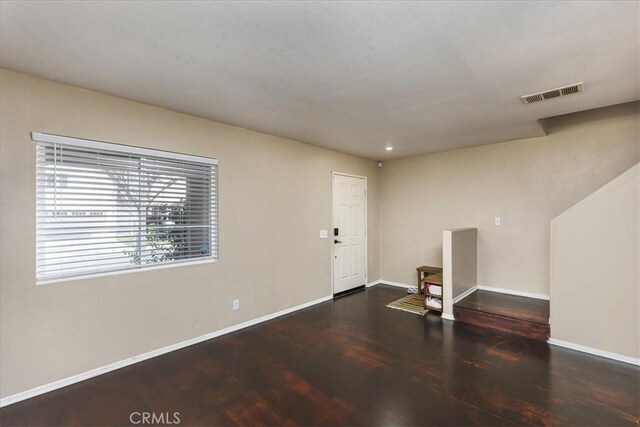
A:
x,y
553,93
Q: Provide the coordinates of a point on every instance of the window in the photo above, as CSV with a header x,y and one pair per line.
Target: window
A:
x,y
105,207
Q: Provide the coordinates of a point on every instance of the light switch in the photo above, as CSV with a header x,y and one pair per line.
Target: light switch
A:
x,y
324,234
496,220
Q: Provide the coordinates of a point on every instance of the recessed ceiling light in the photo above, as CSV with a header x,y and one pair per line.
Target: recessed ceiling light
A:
x,y
388,148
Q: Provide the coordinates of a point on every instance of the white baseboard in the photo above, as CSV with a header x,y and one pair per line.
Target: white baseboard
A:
x,y
517,293
36,391
447,316
594,351
399,285
465,294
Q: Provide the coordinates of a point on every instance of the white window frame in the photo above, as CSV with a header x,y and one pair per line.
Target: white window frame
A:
x,y
139,151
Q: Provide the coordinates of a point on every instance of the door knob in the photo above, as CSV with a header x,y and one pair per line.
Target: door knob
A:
x,y
336,241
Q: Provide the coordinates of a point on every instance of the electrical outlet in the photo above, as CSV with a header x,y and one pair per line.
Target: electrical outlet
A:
x,y
236,304
496,220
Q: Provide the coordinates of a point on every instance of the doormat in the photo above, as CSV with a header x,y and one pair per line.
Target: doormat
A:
x,y
413,303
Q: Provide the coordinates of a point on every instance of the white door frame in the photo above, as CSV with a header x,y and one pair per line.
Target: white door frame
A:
x,y
366,230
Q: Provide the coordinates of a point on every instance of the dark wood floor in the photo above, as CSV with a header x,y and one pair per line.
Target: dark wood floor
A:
x,y
530,309
354,362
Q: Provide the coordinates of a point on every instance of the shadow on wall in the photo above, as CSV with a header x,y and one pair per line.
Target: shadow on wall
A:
x,y
459,264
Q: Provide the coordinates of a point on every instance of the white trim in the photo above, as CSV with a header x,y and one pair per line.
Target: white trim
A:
x,y
375,282
36,391
594,351
446,316
517,293
447,273
128,270
349,174
399,285
465,294
101,145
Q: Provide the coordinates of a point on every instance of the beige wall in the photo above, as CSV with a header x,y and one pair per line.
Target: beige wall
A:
x,y
526,183
275,196
595,269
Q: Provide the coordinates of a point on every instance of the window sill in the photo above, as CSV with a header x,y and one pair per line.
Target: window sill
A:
x,y
129,271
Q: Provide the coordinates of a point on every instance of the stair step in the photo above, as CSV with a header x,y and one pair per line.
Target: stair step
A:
x,y
517,315
525,328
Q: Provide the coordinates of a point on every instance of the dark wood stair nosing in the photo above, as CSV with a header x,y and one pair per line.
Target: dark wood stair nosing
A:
x,y
506,316
505,324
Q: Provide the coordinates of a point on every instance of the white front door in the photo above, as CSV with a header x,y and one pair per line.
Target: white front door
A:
x,y
349,232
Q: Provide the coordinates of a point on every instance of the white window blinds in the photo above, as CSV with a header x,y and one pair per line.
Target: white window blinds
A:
x,y
105,207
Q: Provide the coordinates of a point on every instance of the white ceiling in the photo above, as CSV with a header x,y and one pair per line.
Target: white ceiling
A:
x,y
354,76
